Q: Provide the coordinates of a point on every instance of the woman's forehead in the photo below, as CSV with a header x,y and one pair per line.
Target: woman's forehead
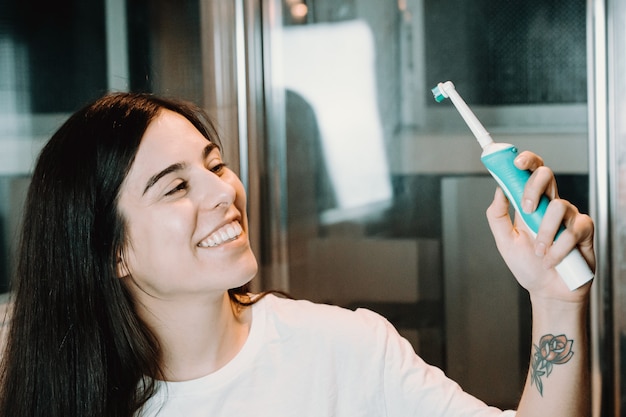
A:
x,y
169,139
171,132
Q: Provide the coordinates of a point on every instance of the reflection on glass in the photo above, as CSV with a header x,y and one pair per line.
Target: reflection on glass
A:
x,y
56,56
419,259
342,97
51,61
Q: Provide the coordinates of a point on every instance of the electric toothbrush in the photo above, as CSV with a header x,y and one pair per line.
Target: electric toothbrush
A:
x,y
498,158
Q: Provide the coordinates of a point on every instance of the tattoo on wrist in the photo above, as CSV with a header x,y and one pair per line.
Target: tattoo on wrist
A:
x,y
552,350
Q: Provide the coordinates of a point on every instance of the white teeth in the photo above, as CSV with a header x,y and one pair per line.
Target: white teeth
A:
x,y
226,233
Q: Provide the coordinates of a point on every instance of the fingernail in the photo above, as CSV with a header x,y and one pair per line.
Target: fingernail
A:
x,y
527,206
540,249
520,160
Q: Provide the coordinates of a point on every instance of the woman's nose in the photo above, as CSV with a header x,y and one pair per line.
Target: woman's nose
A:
x,y
217,192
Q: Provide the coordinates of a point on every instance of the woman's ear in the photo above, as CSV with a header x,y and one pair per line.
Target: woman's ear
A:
x,y
121,267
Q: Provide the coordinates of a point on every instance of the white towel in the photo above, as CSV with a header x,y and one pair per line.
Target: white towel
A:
x,y
332,67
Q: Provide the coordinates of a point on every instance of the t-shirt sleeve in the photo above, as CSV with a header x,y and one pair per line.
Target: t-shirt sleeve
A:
x,y
414,388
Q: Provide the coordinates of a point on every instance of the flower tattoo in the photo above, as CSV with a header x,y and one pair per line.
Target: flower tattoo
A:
x,y
552,350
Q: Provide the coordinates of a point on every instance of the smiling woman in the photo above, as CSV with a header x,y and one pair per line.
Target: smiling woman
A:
x,y
186,220
81,275
131,295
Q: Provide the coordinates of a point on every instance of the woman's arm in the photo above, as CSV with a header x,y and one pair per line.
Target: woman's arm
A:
x,y
558,380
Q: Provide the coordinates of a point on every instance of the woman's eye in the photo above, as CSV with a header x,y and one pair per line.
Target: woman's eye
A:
x,y
181,186
218,168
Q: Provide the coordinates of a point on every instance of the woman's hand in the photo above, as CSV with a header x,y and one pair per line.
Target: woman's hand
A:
x,y
531,260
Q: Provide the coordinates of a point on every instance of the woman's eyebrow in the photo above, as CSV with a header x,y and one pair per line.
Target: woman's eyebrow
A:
x,y
208,149
156,177
176,167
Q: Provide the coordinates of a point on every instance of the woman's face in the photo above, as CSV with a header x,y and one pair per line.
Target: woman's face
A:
x,y
185,215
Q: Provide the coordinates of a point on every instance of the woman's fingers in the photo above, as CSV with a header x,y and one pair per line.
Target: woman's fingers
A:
x,y
528,161
578,232
540,183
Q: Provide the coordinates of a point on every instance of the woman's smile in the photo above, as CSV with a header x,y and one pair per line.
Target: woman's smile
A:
x,y
224,234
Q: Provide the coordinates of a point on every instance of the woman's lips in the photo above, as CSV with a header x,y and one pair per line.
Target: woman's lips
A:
x,y
226,233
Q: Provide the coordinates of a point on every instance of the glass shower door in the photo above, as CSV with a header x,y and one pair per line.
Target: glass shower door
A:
x,y
374,192
382,193
51,61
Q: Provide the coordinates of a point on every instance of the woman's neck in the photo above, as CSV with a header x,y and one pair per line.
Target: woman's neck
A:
x,y
197,337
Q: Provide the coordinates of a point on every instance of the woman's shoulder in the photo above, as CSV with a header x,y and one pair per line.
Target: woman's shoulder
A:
x,y
323,319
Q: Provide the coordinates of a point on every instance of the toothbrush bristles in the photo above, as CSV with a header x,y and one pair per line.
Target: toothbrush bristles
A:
x,y
438,94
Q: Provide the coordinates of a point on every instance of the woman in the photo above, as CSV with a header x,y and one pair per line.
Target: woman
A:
x,y
130,296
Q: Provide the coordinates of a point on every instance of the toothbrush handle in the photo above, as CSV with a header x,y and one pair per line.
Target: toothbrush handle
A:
x,y
573,268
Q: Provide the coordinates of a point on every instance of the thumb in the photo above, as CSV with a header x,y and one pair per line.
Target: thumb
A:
x,y
499,219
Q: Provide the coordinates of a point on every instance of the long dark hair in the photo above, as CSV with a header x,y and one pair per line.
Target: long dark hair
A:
x,y
75,346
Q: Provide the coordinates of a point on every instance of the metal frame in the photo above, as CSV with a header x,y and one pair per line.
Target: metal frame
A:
x,y
236,36
602,141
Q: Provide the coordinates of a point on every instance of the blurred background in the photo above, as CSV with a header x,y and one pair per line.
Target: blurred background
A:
x,y
364,192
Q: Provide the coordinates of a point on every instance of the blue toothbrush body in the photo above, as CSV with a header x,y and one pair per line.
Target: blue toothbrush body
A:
x,y
512,180
498,159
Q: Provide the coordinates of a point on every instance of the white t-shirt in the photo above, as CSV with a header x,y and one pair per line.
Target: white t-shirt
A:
x,y
303,359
